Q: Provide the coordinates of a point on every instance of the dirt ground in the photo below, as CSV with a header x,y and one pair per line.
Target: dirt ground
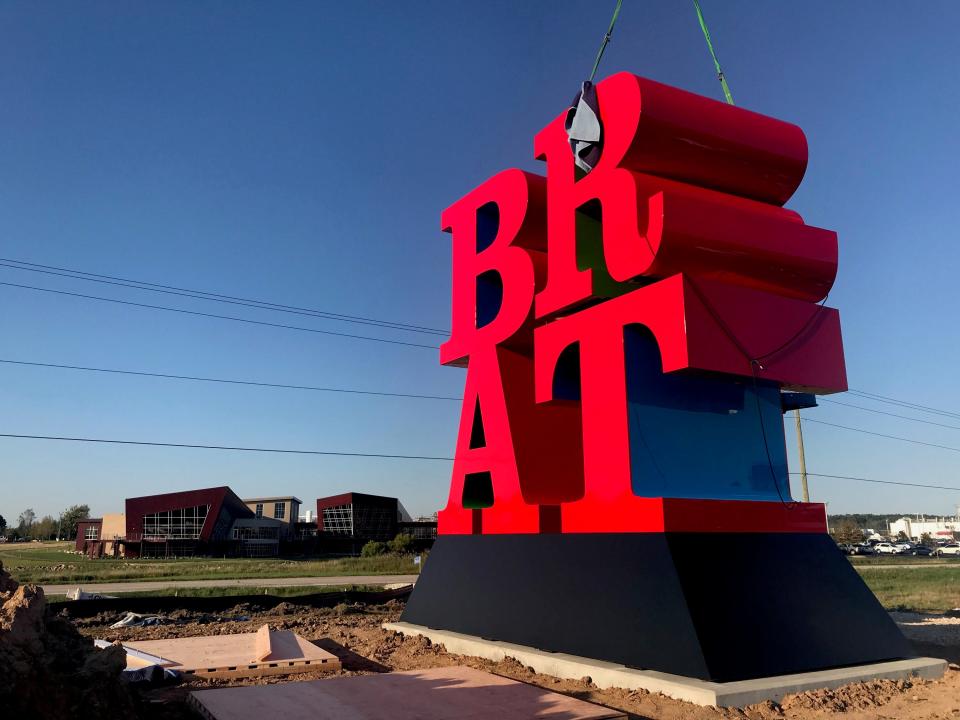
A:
x,y
353,633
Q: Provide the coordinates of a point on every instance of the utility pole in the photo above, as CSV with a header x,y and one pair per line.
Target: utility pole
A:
x,y
803,459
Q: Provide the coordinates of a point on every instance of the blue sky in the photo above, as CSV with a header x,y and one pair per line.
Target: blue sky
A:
x,y
302,153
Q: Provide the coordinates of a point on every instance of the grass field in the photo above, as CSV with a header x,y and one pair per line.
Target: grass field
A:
x,y
899,582
210,592
51,563
934,589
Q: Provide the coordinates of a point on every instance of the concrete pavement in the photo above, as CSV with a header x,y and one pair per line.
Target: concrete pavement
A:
x,y
152,585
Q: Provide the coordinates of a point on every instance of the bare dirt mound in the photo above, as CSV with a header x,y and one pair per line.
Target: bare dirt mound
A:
x,y
48,669
855,696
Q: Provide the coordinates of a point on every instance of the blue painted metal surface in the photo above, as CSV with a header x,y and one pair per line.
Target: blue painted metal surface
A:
x,y
702,436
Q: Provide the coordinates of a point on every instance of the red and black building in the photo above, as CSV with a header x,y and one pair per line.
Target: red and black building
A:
x,y
358,516
183,523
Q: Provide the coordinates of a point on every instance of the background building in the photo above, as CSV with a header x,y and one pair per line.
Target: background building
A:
x,y
358,516
939,528
215,521
207,521
284,509
88,531
182,523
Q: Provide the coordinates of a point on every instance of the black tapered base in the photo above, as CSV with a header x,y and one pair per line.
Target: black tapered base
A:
x,y
713,606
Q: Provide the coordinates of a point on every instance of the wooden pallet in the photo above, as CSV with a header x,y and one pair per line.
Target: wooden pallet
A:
x,y
448,693
266,652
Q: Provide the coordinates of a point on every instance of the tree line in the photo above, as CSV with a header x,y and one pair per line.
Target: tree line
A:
x,y
28,527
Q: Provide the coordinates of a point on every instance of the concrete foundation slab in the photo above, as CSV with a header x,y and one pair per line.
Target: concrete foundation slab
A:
x,y
449,693
701,692
267,652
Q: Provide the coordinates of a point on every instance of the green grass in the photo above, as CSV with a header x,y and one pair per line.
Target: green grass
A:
x,y
894,560
931,589
210,592
51,563
934,586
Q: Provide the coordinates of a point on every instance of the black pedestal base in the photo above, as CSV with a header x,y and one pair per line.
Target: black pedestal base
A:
x,y
722,607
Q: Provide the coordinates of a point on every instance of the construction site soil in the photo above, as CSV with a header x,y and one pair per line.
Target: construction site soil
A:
x,y
50,669
353,632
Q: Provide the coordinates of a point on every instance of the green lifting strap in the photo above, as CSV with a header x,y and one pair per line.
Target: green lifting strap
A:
x,y
716,62
606,39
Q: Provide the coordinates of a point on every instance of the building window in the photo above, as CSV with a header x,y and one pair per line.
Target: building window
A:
x,y
338,520
256,533
91,533
372,522
259,510
177,524
279,510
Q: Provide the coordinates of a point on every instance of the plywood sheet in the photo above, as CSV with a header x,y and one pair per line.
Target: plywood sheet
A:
x,y
450,693
233,656
263,647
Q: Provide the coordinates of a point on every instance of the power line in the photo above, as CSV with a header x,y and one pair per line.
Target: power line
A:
x,y
884,412
222,447
211,296
882,482
889,437
221,317
168,376
903,403
377,455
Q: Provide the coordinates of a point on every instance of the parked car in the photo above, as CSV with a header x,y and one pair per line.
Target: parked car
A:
x,y
904,548
885,548
948,549
864,549
913,549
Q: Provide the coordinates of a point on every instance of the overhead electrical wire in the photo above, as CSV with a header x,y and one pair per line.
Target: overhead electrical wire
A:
x,y
903,403
211,296
221,317
221,447
388,456
890,414
194,378
883,435
881,482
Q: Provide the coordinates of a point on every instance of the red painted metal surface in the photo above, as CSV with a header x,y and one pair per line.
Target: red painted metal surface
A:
x,y
689,193
661,130
514,253
533,452
699,325
654,227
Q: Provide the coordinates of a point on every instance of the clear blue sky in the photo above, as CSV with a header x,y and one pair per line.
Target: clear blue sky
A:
x,y
302,153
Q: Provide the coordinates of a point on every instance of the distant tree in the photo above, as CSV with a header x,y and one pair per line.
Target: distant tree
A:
x,y
25,521
902,536
3,525
846,530
373,548
45,528
69,519
401,544
927,539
